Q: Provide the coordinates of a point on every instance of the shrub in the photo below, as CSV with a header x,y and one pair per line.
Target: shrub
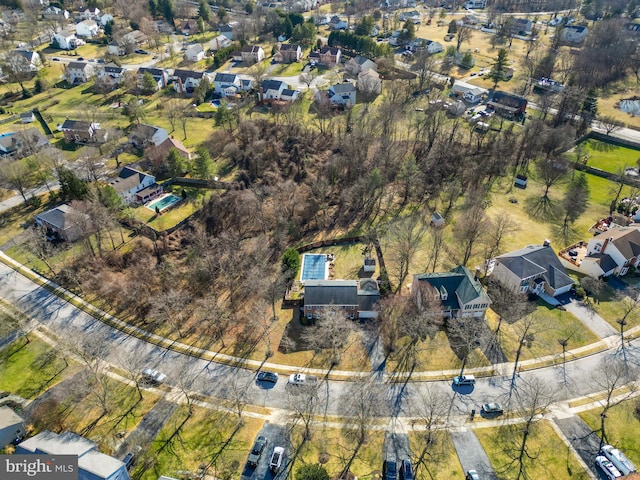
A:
x,y
291,262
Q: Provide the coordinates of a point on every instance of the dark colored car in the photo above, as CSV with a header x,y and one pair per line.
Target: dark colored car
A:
x,y
268,377
406,470
81,59
128,460
389,470
492,409
256,450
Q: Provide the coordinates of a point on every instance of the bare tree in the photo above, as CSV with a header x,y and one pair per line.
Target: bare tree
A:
x,y
36,244
431,409
464,35
549,172
526,331
470,229
304,402
405,236
466,334
629,299
502,227
330,332
307,78
18,175
437,245
16,69
610,124
172,307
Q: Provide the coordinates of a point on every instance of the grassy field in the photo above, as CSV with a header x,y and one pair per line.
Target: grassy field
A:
x,y
621,427
609,157
27,369
551,457
611,309
447,467
552,325
208,437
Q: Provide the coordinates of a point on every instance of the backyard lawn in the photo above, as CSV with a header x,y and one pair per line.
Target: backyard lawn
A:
x,y
622,427
610,157
550,457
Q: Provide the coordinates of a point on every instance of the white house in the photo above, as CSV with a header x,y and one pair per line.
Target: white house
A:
x,y
87,28
11,426
159,75
369,81
111,73
92,464
252,54
78,72
64,40
131,181
574,34
343,94
143,135
621,245
55,13
219,43
272,89
469,93
432,47
194,53
33,58
186,81
289,95
359,64
226,84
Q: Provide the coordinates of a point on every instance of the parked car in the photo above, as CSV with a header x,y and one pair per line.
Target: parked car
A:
x,y
153,377
140,51
256,450
492,409
302,379
619,459
389,470
268,377
406,470
276,459
128,460
472,475
464,380
607,468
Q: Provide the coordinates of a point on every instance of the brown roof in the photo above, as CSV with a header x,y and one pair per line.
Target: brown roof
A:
x,y
162,150
627,240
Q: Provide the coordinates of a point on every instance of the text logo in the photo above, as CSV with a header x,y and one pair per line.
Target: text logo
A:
x,y
39,467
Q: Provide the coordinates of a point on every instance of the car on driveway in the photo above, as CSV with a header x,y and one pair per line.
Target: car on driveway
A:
x,y
472,475
256,450
276,459
268,377
493,409
389,470
406,470
153,377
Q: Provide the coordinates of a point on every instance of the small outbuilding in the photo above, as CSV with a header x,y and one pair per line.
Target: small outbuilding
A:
x,y
437,220
11,426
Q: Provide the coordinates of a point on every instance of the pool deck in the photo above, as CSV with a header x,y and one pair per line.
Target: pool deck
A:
x,y
160,198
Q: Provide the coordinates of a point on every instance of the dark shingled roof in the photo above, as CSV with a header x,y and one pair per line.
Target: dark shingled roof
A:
x,y
368,295
534,260
273,85
225,77
460,285
331,292
606,262
76,125
128,179
58,216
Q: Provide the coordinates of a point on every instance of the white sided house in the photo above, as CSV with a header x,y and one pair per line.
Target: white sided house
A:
x,y
11,426
131,182
194,53
343,94
87,28
65,40
226,84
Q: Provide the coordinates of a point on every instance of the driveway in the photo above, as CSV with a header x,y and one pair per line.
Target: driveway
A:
x,y
471,454
585,442
277,436
591,320
149,427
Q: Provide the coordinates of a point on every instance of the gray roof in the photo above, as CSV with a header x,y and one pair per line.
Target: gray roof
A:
x,y
289,46
225,77
535,260
113,68
287,92
128,178
460,284
156,72
32,136
57,216
606,262
343,88
626,240
185,74
145,131
368,294
77,65
8,417
273,85
76,125
331,292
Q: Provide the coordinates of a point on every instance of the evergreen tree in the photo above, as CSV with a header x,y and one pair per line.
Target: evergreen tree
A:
x,y
176,163
497,69
108,28
149,85
312,471
204,11
203,165
153,7
71,186
365,26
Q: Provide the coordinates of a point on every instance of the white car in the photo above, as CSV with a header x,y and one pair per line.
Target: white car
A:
x,y
153,377
276,459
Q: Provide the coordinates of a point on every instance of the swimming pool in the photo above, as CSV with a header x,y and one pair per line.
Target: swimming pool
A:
x,y
314,266
163,202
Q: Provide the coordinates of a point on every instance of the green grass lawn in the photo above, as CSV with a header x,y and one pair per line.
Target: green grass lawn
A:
x,y
174,215
27,369
609,157
7,324
206,436
621,426
551,457
611,309
287,69
445,468
554,324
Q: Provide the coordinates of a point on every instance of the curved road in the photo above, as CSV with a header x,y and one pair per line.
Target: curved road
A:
x,y
217,380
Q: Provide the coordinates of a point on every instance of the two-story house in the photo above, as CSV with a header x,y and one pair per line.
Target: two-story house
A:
x,y
143,135
64,40
329,56
573,34
87,28
33,59
369,82
272,89
112,74
252,54
22,143
360,64
186,81
288,53
79,131
130,182
507,104
78,72
226,84
535,269
343,94
194,53
457,293
159,75
355,299
613,252
61,222
219,43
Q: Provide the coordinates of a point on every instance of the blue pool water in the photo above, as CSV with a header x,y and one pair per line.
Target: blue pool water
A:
x,y
163,202
314,266
215,103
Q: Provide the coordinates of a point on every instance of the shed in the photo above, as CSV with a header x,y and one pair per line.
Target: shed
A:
x,y
437,220
369,265
521,181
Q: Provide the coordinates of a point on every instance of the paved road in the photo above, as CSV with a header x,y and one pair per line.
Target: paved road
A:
x,y
471,454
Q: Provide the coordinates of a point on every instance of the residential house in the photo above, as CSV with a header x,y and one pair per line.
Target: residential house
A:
x,y
87,28
226,84
508,105
369,82
159,75
610,253
135,186
475,4
457,293
329,56
13,15
159,153
27,117
430,46
188,27
11,426
336,23
437,220
573,34
92,464
112,74
55,13
32,58
78,72
194,53
116,47
22,143
355,299
64,40
289,95
314,58
61,223
359,64
252,54
413,16
288,53
143,135
226,30
521,26
136,37
469,93
79,131
535,269
219,43
186,81
89,14
271,90
342,94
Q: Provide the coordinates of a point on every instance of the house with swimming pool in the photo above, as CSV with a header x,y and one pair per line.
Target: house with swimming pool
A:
x,y
136,186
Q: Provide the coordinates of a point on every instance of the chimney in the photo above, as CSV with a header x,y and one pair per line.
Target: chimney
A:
x,y
546,243
261,94
604,245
